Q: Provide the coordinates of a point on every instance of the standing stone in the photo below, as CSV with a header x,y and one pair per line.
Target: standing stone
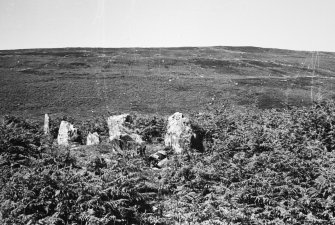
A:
x,y
178,133
92,139
46,124
180,136
119,131
66,132
116,126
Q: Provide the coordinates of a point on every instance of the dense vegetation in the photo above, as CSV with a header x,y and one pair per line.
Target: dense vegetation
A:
x,y
259,167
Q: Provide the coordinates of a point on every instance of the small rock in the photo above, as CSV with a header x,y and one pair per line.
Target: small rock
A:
x,y
163,163
157,157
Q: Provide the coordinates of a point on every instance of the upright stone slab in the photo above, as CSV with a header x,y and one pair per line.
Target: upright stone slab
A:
x,y
116,126
92,139
178,133
180,136
118,131
66,131
46,124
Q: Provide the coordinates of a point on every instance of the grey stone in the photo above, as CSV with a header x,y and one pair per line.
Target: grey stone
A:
x,y
163,163
116,126
46,128
92,139
119,131
157,158
179,133
66,133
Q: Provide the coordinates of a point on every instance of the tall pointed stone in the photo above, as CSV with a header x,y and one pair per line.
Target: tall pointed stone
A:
x,y
46,124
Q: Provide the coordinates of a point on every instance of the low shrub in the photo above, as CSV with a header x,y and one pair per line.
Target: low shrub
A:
x,y
259,167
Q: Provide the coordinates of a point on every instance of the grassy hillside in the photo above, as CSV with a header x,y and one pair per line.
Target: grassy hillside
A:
x,y
91,82
259,167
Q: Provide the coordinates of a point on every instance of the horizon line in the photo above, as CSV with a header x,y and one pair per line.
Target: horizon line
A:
x,y
166,47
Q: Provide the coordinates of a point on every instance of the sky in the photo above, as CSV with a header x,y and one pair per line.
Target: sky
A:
x,y
288,24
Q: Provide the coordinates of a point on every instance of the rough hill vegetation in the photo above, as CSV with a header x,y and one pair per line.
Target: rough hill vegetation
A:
x,y
273,166
91,82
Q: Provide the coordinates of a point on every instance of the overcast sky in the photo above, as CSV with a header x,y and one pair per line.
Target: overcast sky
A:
x,y
289,24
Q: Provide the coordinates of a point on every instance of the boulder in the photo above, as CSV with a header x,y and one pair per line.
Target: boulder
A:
x,y
118,130
92,139
66,133
46,128
180,136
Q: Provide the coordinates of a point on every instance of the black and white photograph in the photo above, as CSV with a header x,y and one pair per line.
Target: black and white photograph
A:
x,y
166,112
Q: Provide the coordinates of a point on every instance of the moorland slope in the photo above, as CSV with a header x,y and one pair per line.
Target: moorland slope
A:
x,y
85,82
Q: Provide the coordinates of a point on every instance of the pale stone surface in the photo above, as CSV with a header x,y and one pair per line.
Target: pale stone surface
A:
x,y
158,159
180,136
116,126
137,138
46,128
179,133
158,155
66,131
92,139
163,163
118,130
